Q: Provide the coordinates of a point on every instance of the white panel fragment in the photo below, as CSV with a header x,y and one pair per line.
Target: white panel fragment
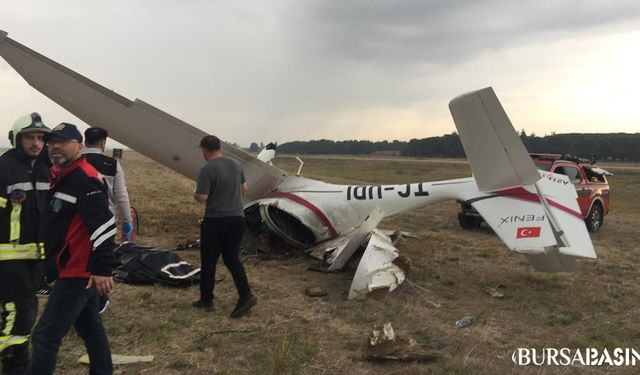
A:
x,y
342,255
337,252
376,269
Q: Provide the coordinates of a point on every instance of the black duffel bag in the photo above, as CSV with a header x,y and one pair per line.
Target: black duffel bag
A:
x,y
148,265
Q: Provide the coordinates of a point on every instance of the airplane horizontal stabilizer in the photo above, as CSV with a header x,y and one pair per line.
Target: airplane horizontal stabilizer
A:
x,y
135,124
561,206
541,221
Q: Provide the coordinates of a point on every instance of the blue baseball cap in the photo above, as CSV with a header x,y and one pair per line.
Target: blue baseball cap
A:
x,y
64,130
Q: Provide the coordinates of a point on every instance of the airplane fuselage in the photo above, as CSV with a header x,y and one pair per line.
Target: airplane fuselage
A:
x,y
327,210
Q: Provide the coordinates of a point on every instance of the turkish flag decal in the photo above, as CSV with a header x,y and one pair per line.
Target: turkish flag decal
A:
x,y
528,232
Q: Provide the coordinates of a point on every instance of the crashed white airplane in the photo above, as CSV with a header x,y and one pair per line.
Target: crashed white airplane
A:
x,y
334,220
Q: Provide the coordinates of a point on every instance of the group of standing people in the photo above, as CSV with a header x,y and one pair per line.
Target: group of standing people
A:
x,y
54,206
58,206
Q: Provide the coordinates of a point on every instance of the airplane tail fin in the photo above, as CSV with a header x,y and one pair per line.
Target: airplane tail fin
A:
x,y
534,213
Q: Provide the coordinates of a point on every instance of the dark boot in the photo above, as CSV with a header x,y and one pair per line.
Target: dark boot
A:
x,y
15,359
244,305
207,306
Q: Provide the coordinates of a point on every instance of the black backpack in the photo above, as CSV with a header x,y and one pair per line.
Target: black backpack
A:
x,y
148,265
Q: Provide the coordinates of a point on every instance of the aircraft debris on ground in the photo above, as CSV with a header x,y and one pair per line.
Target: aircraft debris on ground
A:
x,y
385,345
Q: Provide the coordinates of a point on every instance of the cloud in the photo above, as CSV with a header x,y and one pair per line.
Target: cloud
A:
x,y
287,69
415,32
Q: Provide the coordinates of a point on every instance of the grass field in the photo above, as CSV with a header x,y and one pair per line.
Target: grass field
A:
x,y
290,333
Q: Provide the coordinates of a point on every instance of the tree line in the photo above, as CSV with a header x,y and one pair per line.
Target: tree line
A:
x,y
352,147
606,146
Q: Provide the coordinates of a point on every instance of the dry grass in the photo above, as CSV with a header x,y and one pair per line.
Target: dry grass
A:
x,y
290,333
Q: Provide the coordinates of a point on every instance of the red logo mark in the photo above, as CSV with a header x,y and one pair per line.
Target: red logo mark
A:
x,y
528,232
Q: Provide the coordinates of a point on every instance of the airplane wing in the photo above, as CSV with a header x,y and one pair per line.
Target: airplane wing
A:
x,y
136,124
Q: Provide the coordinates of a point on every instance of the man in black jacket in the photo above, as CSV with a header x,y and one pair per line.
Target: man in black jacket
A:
x,y
79,255
24,181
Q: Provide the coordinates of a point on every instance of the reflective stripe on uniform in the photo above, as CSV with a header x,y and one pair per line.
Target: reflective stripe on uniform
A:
x,y
7,339
10,251
24,186
99,235
3,202
65,197
8,309
14,234
9,320
102,228
104,237
42,186
27,186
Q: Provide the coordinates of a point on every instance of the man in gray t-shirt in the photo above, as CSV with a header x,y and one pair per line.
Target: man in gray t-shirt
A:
x,y
221,185
222,180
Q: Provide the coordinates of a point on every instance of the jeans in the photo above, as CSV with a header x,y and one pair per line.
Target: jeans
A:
x,y
221,236
70,304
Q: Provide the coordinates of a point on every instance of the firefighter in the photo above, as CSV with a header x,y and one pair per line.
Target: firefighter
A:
x,y
24,182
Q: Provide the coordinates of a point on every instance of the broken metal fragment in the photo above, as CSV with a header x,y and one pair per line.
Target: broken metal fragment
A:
x,y
384,345
497,292
377,269
381,334
397,235
465,321
336,252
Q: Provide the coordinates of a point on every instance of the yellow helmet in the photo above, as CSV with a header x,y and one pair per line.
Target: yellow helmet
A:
x,y
26,124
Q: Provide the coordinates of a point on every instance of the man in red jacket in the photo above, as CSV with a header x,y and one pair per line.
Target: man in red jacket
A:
x,y
78,253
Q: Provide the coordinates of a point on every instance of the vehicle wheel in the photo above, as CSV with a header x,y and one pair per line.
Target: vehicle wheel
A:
x,y
469,222
595,218
475,222
464,221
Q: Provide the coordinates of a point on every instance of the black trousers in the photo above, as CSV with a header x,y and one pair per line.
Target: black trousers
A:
x,y
70,304
19,280
221,236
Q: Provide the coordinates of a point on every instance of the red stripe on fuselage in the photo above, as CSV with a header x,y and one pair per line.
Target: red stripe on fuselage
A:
x,y
313,208
523,194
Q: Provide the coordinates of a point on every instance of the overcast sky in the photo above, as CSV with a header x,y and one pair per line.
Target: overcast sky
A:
x,y
285,70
